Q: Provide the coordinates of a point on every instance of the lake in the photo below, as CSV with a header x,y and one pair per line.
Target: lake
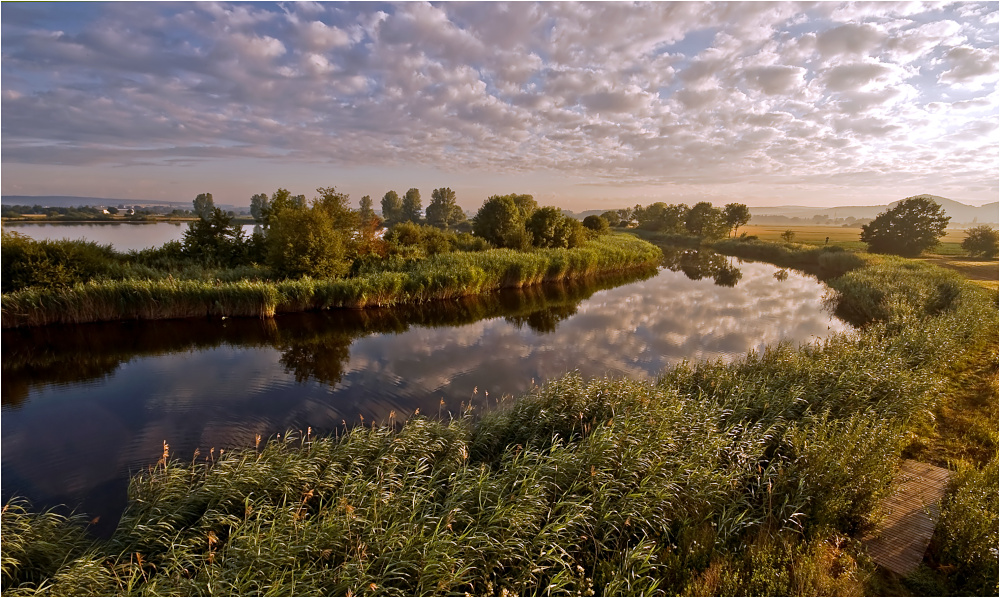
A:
x,y
124,236
84,406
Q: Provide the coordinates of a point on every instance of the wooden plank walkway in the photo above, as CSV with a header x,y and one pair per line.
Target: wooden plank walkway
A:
x,y
911,513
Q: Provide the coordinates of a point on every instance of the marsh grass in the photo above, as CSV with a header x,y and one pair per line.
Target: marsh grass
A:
x,y
445,276
746,478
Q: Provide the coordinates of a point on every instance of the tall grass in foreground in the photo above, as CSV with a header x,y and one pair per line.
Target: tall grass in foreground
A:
x,y
747,478
443,276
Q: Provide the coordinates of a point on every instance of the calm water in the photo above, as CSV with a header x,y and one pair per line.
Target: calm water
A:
x,y
85,405
123,236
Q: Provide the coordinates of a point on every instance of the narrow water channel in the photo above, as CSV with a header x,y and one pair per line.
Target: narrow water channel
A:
x,y
84,406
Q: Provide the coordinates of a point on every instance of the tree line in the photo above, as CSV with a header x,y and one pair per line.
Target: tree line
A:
x,y
325,237
700,220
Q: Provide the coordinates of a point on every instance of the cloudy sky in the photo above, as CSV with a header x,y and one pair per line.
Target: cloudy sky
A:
x,y
583,105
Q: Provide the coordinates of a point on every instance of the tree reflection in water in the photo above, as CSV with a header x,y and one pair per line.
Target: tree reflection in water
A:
x,y
313,346
697,264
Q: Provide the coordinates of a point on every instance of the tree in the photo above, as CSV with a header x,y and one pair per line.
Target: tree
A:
x,y
392,208
704,220
981,241
214,239
112,210
259,205
596,223
203,206
735,216
501,222
915,224
304,242
335,205
411,206
365,211
550,228
444,211
788,236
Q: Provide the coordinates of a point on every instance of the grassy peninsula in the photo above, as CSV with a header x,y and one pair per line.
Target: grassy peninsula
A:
x,y
321,256
755,477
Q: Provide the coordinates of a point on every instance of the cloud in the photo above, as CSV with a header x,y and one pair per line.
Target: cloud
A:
x,y
667,92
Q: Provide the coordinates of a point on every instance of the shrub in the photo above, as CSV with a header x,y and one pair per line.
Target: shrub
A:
x,y
51,264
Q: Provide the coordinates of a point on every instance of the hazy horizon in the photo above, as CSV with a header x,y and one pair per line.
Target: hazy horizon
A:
x,y
585,106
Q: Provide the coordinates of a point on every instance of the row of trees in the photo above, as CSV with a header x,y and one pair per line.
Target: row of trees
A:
x,y
702,219
442,212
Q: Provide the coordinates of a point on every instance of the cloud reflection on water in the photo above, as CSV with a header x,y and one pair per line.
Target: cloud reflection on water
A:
x,y
66,440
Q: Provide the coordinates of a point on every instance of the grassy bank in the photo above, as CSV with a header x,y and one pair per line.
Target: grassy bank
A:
x,y
443,276
746,478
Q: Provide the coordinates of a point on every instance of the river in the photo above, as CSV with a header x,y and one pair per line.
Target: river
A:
x,y
85,406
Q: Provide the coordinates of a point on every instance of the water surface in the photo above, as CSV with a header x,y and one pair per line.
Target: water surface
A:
x,y
123,236
85,405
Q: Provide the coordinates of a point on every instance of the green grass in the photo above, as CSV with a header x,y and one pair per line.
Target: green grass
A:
x,y
746,478
444,276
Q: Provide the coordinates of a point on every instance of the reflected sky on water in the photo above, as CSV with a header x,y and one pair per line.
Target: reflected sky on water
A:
x,y
85,405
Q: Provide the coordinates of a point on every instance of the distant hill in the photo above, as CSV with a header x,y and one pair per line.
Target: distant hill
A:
x,y
960,213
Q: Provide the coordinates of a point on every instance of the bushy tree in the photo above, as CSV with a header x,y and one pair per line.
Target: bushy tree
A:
x,y
411,206
913,225
735,216
304,242
392,208
444,211
550,228
366,212
213,238
705,220
259,206
598,224
335,205
981,241
203,205
612,217
501,220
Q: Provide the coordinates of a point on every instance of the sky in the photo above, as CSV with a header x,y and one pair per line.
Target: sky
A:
x,y
583,105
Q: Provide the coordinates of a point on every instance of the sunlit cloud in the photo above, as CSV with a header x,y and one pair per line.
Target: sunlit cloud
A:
x,y
654,95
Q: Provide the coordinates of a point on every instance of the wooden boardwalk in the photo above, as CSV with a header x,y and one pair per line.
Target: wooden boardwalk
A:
x,y
911,513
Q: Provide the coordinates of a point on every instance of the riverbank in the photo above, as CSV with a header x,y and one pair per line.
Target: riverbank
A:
x,y
443,276
749,478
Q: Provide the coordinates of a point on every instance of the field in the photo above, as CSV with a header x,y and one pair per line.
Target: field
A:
x,y
948,254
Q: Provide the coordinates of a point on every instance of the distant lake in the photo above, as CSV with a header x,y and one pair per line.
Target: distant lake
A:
x,y
124,236
83,406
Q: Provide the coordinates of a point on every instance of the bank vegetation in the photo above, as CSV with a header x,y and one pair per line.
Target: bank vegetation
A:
x,y
756,477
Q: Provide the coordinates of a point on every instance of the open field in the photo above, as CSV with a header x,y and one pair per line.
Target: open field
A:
x,y
949,254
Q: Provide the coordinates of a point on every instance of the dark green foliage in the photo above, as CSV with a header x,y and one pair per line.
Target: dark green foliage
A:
x,y
51,264
214,239
548,227
914,225
501,220
598,224
982,241
662,217
735,216
305,242
967,531
259,206
704,220
365,211
411,206
392,208
444,211
203,206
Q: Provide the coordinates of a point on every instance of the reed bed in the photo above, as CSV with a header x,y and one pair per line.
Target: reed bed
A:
x,y
444,276
746,478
